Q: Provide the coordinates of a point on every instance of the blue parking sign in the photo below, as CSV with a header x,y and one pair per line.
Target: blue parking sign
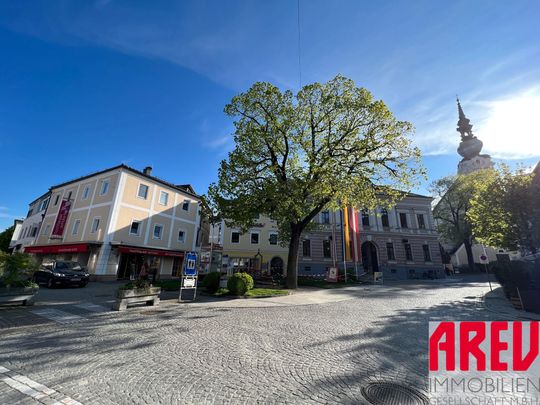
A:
x,y
191,264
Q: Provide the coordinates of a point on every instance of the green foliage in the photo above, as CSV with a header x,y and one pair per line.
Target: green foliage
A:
x,y
247,279
5,238
505,211
211,282
16,269
139,284
296,155
455,194
266,292
237,285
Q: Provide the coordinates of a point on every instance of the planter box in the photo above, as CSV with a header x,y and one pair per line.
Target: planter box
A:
x,y
24,295
150,296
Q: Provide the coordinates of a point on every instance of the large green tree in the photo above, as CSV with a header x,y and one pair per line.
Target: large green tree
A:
x,y
454,194
296,155
505,211
5,238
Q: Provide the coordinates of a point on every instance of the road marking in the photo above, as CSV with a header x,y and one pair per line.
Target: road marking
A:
x,y
34,389
57,315
92,307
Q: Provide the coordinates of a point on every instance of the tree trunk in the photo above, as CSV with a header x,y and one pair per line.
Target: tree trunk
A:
x,y
470,257
292,259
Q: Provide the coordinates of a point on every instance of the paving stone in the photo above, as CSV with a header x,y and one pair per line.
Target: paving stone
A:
x,y
214,353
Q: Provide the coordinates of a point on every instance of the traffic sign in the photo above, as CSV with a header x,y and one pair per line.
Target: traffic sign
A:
x,y
483,259
191,264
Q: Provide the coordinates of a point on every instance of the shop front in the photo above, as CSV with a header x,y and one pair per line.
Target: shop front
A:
x,y
79,252
135,262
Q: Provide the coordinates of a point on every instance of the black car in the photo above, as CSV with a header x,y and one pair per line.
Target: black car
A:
x,y
62,273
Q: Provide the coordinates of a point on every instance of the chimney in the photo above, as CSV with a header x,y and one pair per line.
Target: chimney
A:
x,y
148,170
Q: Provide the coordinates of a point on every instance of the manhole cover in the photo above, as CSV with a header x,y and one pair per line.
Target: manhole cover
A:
x,y
386,393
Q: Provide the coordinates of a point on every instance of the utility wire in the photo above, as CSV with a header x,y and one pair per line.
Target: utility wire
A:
x,y
299,49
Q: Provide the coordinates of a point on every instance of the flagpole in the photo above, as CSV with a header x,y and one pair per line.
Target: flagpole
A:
x,y
341,214
334,253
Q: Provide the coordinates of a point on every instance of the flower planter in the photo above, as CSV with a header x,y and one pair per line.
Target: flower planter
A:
x,y
150,296
24,295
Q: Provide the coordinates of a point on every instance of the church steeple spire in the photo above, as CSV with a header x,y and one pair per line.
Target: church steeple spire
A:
x,y
464,124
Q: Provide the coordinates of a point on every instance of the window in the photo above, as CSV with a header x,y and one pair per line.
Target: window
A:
x,y
181,236
158,231
384,218
403,219
408,252
235,237
307,268
163,198
104,187
43,204
76,225
56,199
46,230
427,254
325,217
254,238
306,248
29,212
390,251
273,239
95,225
143,191
86,192
135,228
365,218
34,231
327,248
69,195
421,221
185,205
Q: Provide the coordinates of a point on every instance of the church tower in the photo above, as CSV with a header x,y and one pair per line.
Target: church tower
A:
x,y
470,147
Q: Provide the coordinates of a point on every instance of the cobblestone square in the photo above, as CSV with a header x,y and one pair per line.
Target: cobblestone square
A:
x,y
238,351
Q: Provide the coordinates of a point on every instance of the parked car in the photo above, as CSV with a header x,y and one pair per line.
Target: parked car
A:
x,y
61,273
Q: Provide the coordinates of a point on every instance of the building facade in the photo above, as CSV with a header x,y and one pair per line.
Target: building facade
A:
x,y
30,226
118,220
257,250
400,242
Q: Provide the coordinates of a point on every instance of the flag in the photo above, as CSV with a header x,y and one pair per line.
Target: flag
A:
x,y
351,234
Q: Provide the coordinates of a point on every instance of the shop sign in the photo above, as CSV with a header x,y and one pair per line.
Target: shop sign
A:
x,y
79,248
150,252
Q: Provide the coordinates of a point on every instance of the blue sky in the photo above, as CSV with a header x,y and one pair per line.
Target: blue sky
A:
x,y
90,84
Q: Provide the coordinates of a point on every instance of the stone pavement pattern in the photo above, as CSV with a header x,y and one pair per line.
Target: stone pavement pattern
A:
x,y
238,351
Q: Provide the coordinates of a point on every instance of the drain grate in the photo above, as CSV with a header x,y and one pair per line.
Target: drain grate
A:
x,y
388,393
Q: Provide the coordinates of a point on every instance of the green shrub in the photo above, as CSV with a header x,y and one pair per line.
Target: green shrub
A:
x,y
237,284
16,270
211,282
247,279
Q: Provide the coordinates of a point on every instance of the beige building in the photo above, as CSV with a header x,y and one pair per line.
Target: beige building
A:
x,y
118,219
257,249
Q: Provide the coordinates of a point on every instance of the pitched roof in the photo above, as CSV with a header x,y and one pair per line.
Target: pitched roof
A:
x,y
183,188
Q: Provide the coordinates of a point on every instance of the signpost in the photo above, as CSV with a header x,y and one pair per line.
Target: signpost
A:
x,y
484,260
189,277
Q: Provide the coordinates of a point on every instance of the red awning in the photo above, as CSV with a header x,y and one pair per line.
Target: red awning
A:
x,y
77,248
151,252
